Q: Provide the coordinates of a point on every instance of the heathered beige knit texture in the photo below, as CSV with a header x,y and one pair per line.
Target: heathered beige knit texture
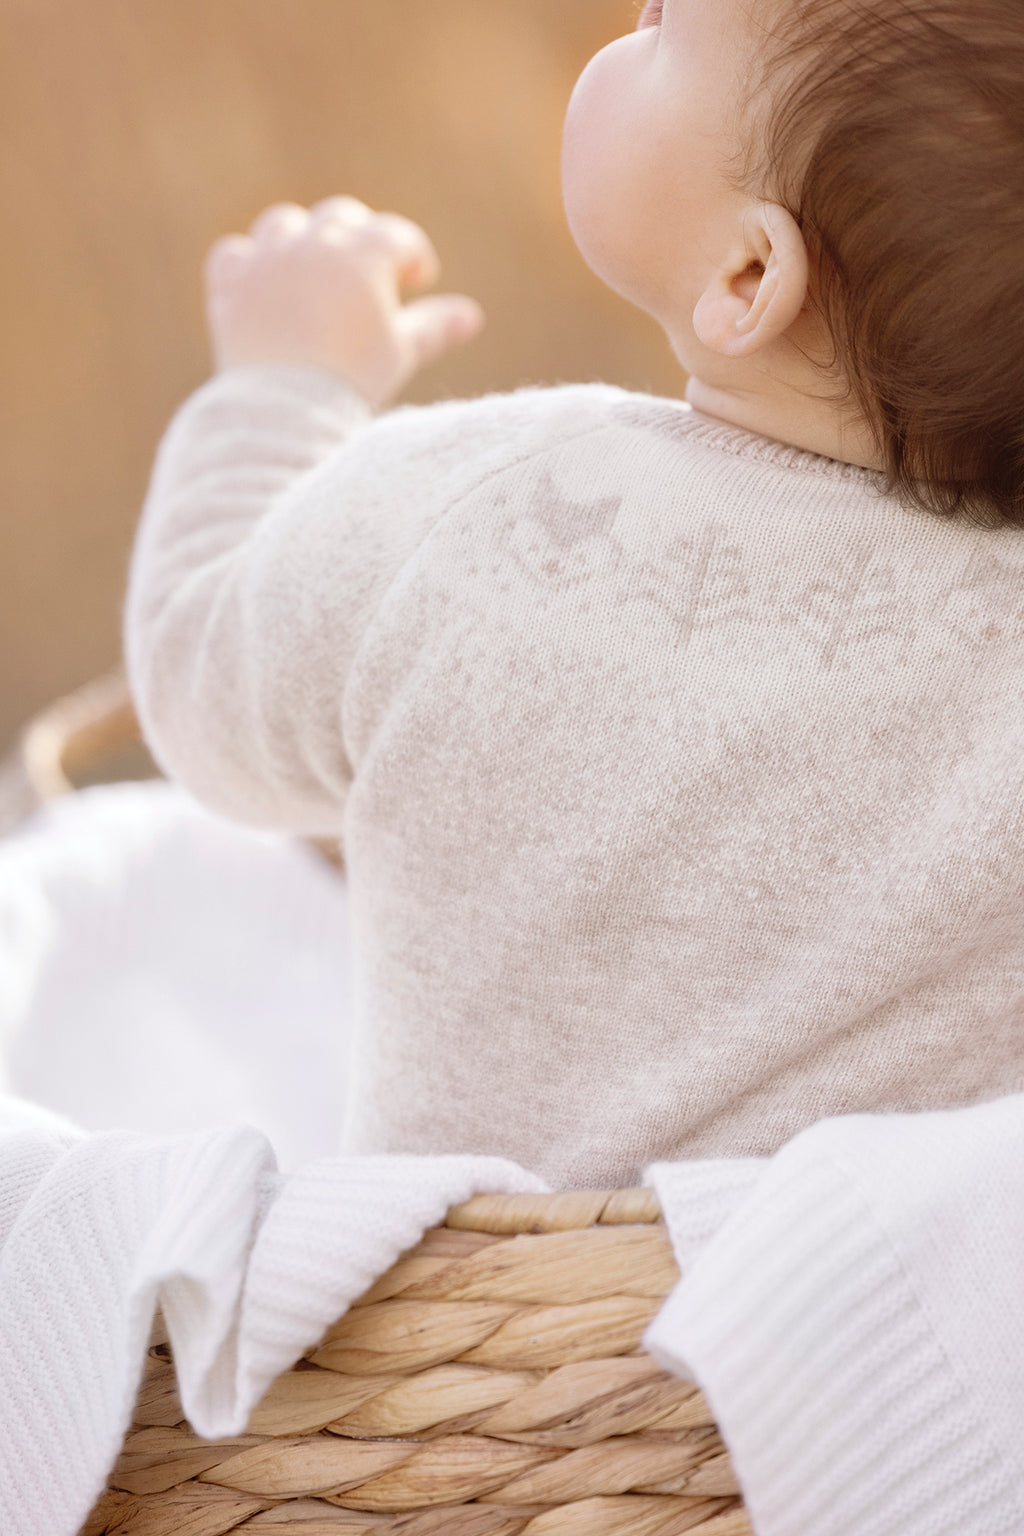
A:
x,y
679,773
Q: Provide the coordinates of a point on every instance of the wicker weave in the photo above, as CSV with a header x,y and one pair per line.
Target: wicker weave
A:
x,y
491,1384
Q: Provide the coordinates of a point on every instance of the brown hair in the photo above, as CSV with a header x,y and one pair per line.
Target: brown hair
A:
x,y
905,119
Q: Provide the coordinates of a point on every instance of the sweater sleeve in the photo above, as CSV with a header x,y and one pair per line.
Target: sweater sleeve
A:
x,y
235,523
856,1322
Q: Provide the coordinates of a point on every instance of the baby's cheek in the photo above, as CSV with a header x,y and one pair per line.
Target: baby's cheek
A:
x,y
592,179
610,178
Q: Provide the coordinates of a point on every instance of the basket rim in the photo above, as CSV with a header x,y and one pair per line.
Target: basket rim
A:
x,y
559,1211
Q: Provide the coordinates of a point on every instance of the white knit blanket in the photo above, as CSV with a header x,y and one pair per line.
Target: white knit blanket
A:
x,y
853,1308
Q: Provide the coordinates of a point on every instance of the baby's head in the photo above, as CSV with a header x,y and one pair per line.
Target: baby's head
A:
x,y
822,203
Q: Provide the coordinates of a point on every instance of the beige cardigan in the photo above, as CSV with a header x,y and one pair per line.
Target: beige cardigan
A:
x,y
679,772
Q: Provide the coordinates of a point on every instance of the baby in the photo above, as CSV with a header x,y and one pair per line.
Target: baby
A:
x,y
676,751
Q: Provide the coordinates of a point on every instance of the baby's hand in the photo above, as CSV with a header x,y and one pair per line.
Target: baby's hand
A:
x,y
323,286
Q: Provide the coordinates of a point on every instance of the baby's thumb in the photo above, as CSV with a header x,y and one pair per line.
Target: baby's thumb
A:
x,y
431,326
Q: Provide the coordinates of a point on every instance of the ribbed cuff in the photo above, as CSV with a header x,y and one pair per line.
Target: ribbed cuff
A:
x,y
697,1198
842,1413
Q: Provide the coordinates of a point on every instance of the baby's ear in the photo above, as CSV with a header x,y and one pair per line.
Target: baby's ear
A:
x,y
757,294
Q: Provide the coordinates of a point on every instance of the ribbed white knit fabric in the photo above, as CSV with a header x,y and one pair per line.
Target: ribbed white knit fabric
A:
x,y
698,1197
249,1267
857,1324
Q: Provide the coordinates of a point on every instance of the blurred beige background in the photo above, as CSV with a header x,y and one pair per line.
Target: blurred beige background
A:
x,y
134,132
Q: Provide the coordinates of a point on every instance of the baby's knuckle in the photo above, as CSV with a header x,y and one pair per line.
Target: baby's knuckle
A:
x,y
331,246
341,206
362,248
278,219
369,236
279,209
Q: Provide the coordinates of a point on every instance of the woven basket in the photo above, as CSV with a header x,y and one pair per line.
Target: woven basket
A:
x,y
491,1384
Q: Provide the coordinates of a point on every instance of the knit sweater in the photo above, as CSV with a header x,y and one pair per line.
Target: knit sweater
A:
x,y
678,772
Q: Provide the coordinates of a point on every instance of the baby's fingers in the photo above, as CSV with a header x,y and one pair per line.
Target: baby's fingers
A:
x,y
429,327
279,224
401,252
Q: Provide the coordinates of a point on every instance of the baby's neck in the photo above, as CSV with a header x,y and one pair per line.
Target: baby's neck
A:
x,y
791,416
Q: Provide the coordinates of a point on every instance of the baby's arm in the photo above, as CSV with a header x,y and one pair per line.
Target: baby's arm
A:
x,y
261,557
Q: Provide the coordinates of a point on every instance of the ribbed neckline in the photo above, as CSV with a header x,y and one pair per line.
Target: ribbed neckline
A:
x,y
740,443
